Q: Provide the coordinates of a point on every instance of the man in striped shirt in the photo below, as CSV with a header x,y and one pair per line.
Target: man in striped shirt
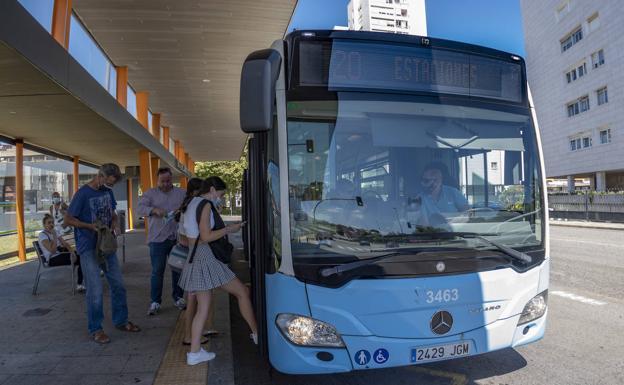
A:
x,y
158,206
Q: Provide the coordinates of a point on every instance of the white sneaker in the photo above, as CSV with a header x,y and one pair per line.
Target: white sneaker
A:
x,y
254,338
80,288
153,309
180,304
199,357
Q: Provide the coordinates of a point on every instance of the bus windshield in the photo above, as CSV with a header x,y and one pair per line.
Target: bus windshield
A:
x,y
371,173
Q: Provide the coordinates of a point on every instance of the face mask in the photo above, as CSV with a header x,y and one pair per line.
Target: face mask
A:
x,y
56,200
105,186
217,202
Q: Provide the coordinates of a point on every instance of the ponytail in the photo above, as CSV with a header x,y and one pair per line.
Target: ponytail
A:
x,y
192,188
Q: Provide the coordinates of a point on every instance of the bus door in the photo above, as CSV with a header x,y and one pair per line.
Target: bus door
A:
x,y
258,245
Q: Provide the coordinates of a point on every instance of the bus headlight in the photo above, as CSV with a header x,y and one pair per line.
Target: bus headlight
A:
x,y
306,331
535,308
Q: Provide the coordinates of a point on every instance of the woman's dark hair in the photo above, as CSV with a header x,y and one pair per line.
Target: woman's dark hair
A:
x,y
45,218
192,189
212,181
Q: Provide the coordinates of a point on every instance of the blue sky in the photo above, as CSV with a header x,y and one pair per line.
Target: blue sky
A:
x,y
492,23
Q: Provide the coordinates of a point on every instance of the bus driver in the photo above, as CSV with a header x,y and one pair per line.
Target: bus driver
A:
x,y
446,199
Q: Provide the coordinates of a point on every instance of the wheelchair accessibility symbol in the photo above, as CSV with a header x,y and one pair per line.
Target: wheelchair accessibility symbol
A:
x,y
362,357
381,356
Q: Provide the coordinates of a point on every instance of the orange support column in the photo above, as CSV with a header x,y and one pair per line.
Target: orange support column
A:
x,y
122,86
185,160
183,182
76,173
61,17
176,149
191,165
145,170
155,166
156,126
19,199
166,138
141,107
130,211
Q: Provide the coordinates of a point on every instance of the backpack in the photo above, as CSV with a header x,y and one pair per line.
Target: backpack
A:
x,y
221,248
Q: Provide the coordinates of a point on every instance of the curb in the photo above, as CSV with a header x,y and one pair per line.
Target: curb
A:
x,y
588,225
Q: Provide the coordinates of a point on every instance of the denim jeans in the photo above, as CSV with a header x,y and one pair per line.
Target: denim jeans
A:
x,y
94,295
159,251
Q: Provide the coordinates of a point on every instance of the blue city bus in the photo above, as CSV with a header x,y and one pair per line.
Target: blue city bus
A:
x,y
396,201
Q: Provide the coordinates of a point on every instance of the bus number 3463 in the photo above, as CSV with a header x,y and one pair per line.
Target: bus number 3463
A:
x,y
447,295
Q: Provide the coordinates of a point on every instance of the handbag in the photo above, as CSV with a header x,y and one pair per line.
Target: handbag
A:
x,y
178,254
177,257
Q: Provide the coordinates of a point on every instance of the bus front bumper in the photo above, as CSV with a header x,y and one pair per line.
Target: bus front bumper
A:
x,y
371,352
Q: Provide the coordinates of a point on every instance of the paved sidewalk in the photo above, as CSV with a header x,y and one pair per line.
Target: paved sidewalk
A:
x,y
588,224
44,338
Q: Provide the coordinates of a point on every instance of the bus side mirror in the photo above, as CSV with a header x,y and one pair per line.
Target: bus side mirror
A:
x,y
257,90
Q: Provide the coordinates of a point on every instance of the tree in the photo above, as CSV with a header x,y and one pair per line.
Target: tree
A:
x,y
231,171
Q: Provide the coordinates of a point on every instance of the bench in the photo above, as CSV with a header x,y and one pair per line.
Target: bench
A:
x,y
44,264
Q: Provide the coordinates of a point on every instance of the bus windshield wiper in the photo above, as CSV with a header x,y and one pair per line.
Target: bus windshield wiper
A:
x,y
329,271
515,254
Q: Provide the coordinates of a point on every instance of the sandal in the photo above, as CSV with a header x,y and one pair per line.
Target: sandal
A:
x,y
129,327
210,333
100,337
201,343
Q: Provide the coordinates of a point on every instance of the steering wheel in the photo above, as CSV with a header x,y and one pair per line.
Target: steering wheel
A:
x,y
486,212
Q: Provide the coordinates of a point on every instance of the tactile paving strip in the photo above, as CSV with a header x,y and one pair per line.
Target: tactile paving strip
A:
x,y
173,369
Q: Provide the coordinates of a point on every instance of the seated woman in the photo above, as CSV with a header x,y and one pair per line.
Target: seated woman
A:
x,y
56,250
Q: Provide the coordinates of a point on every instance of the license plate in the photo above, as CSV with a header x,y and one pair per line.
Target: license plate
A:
x,y
440,352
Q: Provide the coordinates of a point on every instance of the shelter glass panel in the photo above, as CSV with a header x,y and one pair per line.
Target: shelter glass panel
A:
x,y
41,10
88,53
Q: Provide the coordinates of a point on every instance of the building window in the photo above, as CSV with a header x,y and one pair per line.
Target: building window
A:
x,y
605,136
571,39
580,143
576,73
494,166
603,97
563,10
598,59
593,23
584,103
578,106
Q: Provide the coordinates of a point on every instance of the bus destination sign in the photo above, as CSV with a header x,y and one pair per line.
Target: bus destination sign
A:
x,y
369,66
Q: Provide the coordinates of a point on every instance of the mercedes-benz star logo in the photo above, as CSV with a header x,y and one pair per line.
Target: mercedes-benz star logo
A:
x,y
441,322
440,267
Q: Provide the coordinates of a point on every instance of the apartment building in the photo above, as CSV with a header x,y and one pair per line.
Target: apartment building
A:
x,y
394,16
574,62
